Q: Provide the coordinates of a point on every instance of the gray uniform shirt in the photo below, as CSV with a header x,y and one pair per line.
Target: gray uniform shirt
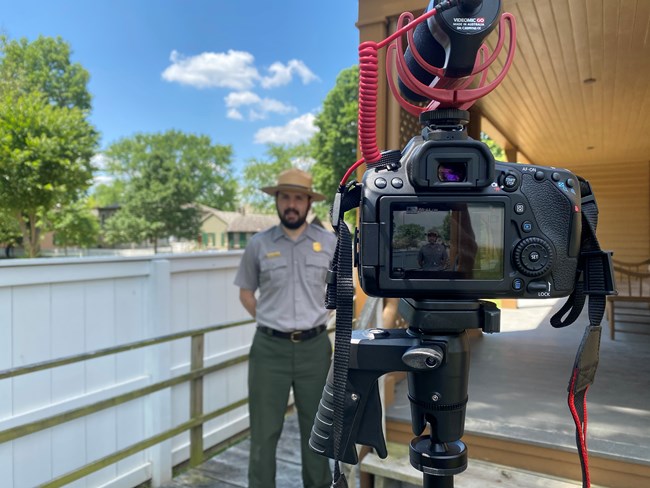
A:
x,y
290,276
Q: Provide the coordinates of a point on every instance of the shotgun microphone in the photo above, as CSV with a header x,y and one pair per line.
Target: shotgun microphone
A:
x,y
450,40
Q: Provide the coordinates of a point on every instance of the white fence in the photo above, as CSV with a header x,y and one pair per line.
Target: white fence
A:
x,y
53,308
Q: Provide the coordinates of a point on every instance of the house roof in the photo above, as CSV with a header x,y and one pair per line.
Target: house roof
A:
x,y
252,223
223,215
240,221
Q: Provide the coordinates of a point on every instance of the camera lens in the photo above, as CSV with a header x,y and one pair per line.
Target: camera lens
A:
x,y
452,172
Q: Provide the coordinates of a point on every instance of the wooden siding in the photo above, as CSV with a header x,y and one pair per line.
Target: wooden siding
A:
x,y
622,191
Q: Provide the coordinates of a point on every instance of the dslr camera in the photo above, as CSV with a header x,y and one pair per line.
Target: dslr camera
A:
x,y
442,219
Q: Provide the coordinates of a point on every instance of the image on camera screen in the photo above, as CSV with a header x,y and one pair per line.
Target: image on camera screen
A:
x,y
442,240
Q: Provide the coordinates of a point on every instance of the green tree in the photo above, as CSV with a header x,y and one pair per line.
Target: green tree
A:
x,y
334,146
164,176
46,141
259,173
408,236
45,156
10,234
75,225
44,66
496,150
107,194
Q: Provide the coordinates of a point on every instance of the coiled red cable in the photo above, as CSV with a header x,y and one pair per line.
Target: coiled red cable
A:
x,y
368,78
368,82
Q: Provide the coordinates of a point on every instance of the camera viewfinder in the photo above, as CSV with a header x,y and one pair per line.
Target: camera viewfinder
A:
x,y
452,172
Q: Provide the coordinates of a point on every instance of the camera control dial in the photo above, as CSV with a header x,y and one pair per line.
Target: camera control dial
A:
x,y
533,256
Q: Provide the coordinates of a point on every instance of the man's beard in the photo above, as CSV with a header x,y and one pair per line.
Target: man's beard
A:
x,y
292,224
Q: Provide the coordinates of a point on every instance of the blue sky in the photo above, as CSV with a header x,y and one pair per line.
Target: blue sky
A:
x,y
245,73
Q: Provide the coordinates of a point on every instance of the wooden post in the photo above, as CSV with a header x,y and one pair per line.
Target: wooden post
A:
x,y
196,401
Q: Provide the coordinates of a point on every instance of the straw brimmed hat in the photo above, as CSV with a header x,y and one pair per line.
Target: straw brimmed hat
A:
x,y
294,180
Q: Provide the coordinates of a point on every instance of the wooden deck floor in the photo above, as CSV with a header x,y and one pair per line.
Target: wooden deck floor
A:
x,y
228,469
517,392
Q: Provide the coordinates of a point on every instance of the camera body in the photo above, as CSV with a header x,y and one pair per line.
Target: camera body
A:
x,y
442,219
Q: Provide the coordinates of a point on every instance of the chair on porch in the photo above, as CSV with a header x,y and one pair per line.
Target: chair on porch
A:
x,y
629,311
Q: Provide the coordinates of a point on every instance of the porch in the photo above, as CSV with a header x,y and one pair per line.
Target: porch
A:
x,y
518,426
517,413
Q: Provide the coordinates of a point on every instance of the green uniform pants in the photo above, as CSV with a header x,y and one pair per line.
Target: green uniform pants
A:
x,y
275,365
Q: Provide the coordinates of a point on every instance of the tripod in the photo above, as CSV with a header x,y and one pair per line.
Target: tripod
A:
x,y
438,397
434,352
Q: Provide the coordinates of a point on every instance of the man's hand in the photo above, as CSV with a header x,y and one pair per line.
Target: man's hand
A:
x,y
248,300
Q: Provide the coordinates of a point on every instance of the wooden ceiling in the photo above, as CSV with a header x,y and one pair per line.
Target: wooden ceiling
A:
x,y
578,92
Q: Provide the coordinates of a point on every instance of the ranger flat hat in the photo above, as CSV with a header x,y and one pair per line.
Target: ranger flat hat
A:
x,y
294,180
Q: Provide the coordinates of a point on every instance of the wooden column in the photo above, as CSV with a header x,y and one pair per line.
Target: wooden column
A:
x,y
196,400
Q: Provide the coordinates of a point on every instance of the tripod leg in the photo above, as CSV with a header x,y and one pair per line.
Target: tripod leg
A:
x,y
431,481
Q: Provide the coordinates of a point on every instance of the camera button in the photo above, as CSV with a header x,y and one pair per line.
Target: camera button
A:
x,y
510,181
380,183
397,182
570,183
533,256
517,284
520,208
538,287
539,175
526,226
556,176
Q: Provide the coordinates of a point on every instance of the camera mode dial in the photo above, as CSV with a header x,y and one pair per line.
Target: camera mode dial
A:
x,y
533,256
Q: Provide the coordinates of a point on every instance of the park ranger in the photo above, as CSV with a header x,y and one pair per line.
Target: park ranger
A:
x,y
287,264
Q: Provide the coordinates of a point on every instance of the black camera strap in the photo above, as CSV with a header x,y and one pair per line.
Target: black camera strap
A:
x,y
594,278
340,296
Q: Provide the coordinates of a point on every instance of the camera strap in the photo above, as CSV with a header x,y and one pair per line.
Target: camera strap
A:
x,y
340,296
594,278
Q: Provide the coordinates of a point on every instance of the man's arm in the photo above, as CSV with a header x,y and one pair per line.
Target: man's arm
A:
x,y
248,300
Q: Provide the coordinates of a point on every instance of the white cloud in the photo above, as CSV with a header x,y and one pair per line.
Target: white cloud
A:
x,y
99,161
237,99
259,108
304,164
102,179
283,74
234,69
234,114
295,131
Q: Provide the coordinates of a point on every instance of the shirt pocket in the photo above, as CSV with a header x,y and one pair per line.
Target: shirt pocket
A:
x,y
316,269
274,270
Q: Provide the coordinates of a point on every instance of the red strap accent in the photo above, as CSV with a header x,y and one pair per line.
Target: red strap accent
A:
x,y
578,407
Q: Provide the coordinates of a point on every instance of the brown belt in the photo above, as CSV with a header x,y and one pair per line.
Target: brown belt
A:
x,y
296,335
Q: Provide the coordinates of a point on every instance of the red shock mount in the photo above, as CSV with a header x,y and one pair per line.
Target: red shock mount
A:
x,y
445,92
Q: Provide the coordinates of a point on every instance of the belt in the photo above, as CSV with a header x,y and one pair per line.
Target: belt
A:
x,y
295,336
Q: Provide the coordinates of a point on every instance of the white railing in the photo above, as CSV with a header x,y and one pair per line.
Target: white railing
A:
x,y
86,309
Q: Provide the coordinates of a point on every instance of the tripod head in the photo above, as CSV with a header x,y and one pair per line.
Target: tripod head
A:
x,y
434,352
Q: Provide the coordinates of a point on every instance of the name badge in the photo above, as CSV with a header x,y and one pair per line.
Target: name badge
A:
x,y
273,254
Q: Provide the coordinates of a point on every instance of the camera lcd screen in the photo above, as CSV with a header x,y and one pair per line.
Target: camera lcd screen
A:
x,y
443,240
